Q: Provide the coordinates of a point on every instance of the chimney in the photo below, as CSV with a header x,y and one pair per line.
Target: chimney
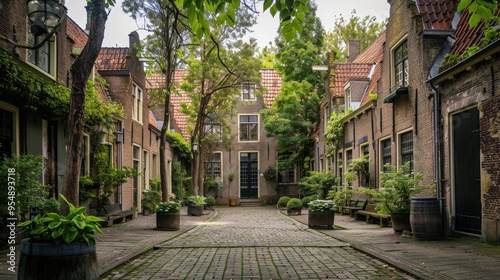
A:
x,y
353,49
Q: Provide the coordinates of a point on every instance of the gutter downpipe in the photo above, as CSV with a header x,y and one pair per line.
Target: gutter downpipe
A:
x,y
437,160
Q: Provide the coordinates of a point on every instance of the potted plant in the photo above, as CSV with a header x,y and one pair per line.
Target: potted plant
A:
x,y
60,247
321,213
393,198
294,207
233,201
168,215
209,203
150,201
282,201
196,205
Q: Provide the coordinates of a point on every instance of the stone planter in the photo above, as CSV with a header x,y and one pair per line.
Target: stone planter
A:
x,y
195,210
400,221
57,261
320,219
168,221
294,212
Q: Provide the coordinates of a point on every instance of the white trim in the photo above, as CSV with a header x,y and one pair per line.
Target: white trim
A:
x,y
15,126
258,128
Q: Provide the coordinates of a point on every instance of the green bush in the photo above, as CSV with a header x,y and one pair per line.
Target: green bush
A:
x,y
318,183
209,201
305,200
294,204
150,200
49,206
283,201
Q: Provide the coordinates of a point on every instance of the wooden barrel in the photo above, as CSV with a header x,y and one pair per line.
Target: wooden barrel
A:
x,y
320,219
168,221
425,218
57,261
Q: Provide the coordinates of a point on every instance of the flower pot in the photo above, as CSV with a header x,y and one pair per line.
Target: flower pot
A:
x,y
425,218
168,221
294,212
195,210
146,212
320,219
209,207
400,221
57,261
233,202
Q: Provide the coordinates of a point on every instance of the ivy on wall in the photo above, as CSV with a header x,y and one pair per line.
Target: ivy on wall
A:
x,y
32,91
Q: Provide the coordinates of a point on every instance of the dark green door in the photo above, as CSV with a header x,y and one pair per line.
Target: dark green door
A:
x,y
466,164
249,177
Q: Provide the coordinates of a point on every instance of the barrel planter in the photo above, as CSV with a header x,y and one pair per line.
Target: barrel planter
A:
x,y
425,218
320,218
400,221
168,221
233,202
57,261
195,210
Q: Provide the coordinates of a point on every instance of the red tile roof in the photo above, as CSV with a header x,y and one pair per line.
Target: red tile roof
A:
x,y
373,54
466,36
152,120
270,81
343,72
112,59
76,33
437,14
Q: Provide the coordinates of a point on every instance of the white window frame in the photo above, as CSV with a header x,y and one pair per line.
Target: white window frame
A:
x,y
239,128
137,202
404,80
145,168
347,97
52,55
137,102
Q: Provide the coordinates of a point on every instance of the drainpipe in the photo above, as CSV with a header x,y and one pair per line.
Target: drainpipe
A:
x,y
436,141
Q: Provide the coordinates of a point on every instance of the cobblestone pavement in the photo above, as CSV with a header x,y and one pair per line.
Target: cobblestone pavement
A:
x,y
254,243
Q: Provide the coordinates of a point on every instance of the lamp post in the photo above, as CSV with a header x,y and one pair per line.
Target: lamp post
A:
x,y
45,16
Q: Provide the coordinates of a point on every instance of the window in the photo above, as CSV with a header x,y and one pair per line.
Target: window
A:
x,y
213,165
43,57
340,179
347,97
249,127
136,159
214,129
400,66
155,168
145,168
385,147
137,103
9,118
248,92
406,147
365,179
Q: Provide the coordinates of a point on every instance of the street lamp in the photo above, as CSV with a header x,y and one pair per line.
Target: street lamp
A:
x,y
195,146
45,15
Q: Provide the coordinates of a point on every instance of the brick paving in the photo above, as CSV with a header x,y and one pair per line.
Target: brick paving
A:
x,y
254,243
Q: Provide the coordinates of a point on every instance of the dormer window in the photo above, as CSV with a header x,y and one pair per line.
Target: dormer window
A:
x,y
248,92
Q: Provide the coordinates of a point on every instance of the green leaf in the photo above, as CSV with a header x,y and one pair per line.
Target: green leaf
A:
x,y
94,219
54,225
69,235
463,4
220,8
79,223
474,20
484,12
57,233
267,4
71,206
25,223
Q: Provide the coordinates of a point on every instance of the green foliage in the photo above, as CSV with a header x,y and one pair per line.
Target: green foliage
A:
x,y
171,206
282,201
305,200
180,146
181,185
270,174
28,189
335,129
98,112
155,184
209,201
366,30
373,96
322,205
479,9
291,118
49,206
150,200
358,166
72,228
340,195
196,200
294,204
316,183
209,183
398,186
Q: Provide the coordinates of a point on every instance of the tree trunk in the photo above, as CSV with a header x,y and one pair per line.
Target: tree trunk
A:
x,y
80,71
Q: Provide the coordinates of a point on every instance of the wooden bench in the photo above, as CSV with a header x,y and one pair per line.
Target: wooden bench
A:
x,y
348,204
359,205
114,212
370,214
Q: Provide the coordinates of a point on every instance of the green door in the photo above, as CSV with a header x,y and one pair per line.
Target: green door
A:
x,y
466,170
249,177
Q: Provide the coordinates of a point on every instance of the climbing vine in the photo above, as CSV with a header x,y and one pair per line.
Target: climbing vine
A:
x,y
335,129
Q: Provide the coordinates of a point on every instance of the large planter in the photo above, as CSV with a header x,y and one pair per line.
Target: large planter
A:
x,y
233,202
425,218
400,221
168,221
320,219
57,261
195,210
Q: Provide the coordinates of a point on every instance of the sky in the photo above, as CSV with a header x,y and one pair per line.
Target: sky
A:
x,y
119,24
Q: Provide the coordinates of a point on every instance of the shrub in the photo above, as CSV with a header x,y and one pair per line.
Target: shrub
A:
x,y
283,201
150,200
305,200
322,205
209,201
294,204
